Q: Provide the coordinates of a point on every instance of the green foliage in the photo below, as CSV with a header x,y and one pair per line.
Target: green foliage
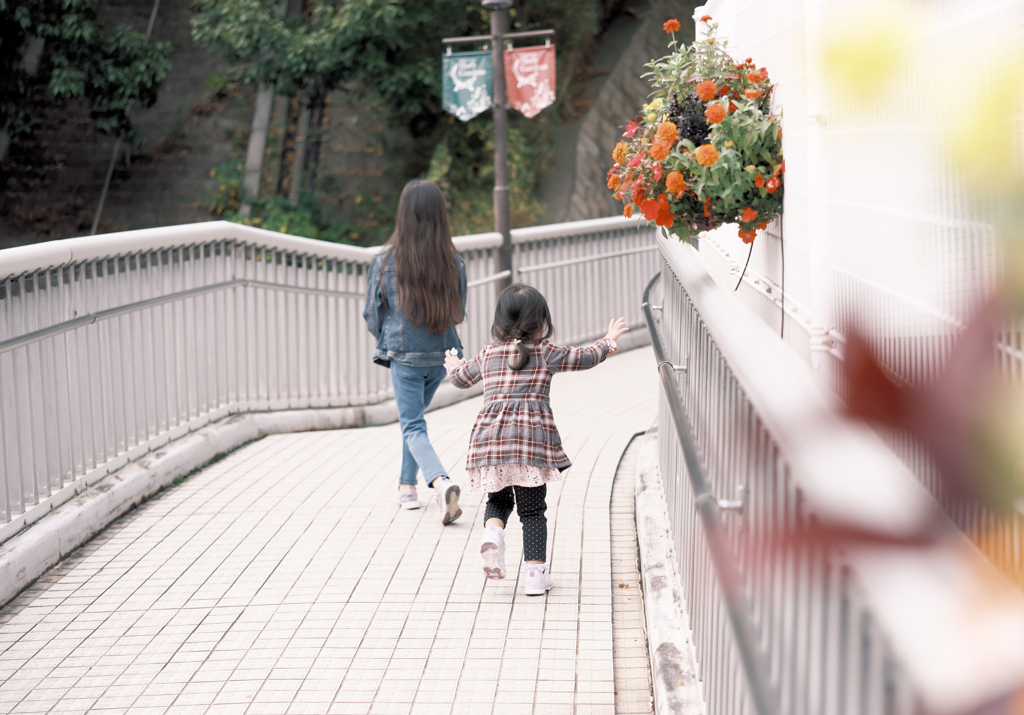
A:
x,y
80,60
464,169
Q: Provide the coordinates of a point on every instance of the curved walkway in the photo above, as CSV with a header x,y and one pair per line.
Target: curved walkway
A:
x,y
283,579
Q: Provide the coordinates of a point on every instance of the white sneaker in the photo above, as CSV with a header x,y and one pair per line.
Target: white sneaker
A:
x,y
447,499
538,580
407,499
492,549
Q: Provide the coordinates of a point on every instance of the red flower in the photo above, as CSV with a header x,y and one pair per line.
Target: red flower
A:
x,y
749,214
705,18
715,113
759,181
639,196
781,168
748,236
723,90
628,211
671,25
665,218
732,106
773,184
631,128
762,226
754,76
707,90
707,214
650,209
635,161
656,170
675,183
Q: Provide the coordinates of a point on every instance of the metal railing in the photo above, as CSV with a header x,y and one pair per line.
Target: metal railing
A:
x,y
760,450
111,346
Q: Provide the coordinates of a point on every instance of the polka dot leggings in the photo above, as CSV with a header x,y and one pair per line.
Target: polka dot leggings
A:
x,y
529,502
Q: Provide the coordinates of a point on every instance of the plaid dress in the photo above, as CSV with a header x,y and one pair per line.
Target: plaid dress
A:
x,y
515,425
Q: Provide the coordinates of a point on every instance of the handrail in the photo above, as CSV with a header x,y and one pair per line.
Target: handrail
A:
x,y
585,259
90,318
708,507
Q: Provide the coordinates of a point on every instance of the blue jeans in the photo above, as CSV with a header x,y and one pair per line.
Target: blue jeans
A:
x,y
414,388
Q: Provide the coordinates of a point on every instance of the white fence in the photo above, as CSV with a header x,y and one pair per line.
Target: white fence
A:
x,y
111,346
879,232
839,628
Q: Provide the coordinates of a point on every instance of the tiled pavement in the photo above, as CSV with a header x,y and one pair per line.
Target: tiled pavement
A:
x,y
283,579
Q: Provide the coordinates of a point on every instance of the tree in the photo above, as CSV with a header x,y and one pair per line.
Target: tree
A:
x,y
112,71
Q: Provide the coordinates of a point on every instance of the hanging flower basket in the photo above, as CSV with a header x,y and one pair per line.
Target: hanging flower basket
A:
x,y
707,149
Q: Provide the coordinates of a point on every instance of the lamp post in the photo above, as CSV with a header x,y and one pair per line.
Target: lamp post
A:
x,y
502,214
502,218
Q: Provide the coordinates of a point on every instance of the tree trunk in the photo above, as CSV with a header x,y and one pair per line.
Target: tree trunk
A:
x,y
257,145
299,156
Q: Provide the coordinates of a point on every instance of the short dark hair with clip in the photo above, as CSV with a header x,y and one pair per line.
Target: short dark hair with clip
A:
x,y
521,314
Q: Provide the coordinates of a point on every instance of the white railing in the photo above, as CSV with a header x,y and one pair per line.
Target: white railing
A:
x,y
879,234
853,627
111,346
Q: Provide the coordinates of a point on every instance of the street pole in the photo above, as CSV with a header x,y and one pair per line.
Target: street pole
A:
x,y
502,218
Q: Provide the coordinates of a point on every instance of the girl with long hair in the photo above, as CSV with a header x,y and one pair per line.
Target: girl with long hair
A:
x,y
415,296
515,449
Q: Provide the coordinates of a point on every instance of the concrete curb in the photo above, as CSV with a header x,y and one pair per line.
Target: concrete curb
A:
x,y
677,690
43,544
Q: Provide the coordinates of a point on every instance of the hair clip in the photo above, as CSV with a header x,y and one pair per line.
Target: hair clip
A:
x,y
516,341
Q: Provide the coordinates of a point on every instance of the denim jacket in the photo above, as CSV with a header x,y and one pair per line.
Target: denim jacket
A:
x,y
397,338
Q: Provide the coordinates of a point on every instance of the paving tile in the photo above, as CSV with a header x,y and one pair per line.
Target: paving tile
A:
x,y
284,580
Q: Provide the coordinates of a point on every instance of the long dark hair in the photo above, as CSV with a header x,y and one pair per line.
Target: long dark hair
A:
x,y
428,278
521,314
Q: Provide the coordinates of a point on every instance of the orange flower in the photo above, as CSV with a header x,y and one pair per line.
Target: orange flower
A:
x,y
706,154
667,132
762,226
752,93
732,106
759,181
614,182
671,25
724,90
781,168
674,182
749,214
754,76
619,154
748,236
660,150
705,18
628,211
715,113
773,184
711,40
707,90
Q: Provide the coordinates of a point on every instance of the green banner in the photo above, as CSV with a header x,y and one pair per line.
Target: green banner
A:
x,y
467,81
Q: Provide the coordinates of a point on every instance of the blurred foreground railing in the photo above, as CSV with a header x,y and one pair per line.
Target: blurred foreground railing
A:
x,y
111,346
881,621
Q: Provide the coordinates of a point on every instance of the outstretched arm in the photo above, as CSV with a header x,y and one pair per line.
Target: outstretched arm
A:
x,y
564,359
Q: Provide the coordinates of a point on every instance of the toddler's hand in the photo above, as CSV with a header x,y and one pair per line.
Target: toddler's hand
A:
x,y
616,328
451,359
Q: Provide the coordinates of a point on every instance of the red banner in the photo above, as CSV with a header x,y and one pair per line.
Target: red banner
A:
x,y
530,78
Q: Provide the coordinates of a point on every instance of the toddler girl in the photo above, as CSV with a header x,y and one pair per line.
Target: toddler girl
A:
x,y
515,450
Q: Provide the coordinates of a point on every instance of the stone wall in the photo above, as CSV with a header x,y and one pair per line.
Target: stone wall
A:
x,y
618,101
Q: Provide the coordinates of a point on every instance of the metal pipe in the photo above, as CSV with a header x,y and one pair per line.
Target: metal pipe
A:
x,y
489,279
585,259
525,35
710,513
